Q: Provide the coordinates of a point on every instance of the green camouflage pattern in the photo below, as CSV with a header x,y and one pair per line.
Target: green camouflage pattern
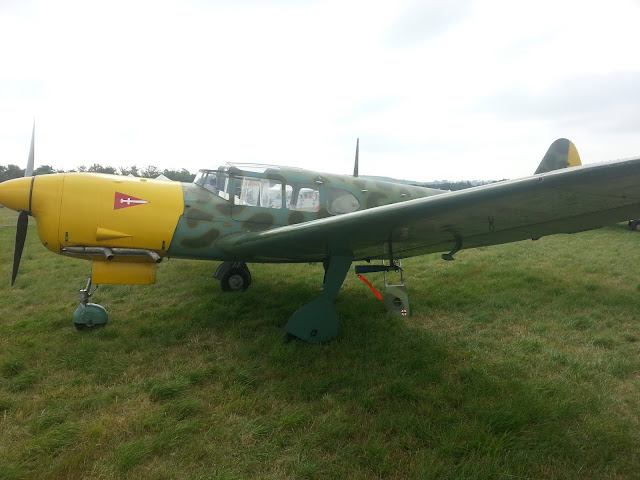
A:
x,y
209,217
558,156
562,201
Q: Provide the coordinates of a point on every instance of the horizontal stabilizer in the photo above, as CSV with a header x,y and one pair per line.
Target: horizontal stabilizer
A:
x,y
561,154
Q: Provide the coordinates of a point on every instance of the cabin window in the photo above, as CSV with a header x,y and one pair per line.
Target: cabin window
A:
x,y
271,193
215,182
342,201
303,198
258,192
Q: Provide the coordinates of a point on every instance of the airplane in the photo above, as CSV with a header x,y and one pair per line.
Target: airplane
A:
x,y
239,214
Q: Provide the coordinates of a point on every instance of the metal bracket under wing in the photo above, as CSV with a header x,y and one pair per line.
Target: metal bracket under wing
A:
x,y
396,297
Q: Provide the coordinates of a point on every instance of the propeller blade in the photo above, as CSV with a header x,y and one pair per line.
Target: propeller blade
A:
x,y
21,235
28,172
23,216
355,167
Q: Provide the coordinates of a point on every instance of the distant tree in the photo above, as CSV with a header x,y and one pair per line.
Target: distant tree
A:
x,y
15,171
97,168
44,170
133,170
461,185
183,175
449,185
10,171
179,175
150,172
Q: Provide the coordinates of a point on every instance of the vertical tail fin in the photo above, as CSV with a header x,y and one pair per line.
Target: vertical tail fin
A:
x,y
561,154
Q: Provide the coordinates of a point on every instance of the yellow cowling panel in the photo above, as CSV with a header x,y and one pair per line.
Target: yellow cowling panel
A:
x,y
106,234
116,211
14,194
45,207
105,272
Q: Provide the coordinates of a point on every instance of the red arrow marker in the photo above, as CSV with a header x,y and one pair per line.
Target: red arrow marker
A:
x,y
123,201
373,289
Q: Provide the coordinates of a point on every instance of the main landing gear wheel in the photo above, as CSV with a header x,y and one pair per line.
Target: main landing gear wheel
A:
x,y
234,279
233,276
91,324
89,315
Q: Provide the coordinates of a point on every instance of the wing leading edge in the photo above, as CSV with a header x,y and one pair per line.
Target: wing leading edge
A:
x,y
562,201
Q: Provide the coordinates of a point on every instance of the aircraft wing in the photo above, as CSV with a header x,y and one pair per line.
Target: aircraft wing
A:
x,y
563,201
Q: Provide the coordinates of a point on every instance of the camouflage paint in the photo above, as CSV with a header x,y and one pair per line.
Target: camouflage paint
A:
x,y
208,217
561,154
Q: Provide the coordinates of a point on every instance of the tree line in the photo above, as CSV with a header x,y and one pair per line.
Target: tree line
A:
x,y
461,185
13,171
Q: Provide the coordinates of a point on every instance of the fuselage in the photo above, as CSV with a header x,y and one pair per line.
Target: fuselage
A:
x,y
127,224
232,200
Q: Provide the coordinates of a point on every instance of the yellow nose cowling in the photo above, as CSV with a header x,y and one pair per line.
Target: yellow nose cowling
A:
x,y
39,196
15,194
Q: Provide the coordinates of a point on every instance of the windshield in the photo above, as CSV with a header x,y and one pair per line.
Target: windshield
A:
x,y
215,181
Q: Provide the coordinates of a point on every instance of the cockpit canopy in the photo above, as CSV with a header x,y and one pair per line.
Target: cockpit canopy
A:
x,y
267,187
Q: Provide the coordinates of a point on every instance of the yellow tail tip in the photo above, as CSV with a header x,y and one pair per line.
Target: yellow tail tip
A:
x,y
561,154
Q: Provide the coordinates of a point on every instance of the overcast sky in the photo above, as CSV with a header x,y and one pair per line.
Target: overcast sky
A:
x,y
434,89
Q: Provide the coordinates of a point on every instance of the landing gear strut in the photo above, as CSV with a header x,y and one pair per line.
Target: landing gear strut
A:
x,y
233,276
88,315
317,321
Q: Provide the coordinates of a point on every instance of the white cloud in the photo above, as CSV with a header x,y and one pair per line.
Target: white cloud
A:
x,y
423,85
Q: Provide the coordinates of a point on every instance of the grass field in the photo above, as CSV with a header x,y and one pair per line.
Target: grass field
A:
x,y
520,361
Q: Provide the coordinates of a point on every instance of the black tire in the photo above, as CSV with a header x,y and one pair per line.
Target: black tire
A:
x,y
234,280
84,326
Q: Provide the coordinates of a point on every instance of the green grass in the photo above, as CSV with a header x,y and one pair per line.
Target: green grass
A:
x,y
520,361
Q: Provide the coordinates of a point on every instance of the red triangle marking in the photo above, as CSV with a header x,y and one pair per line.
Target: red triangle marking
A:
x,y
123,201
